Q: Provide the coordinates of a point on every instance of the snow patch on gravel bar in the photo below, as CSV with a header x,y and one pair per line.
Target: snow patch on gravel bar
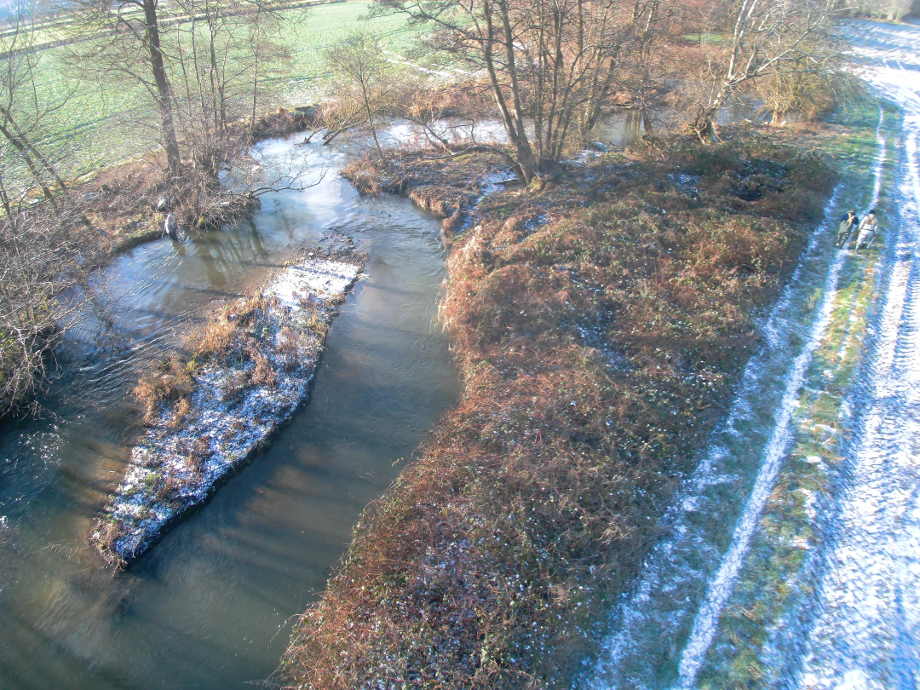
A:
x,y
174,467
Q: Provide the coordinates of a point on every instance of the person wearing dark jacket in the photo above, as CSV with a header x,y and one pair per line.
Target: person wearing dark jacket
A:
x,y
847,223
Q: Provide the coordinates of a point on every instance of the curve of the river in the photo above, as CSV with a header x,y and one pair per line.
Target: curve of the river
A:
x,y
208,607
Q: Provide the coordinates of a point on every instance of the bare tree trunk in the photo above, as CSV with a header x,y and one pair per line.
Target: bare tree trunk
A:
x,y
370,120
23,151
164,94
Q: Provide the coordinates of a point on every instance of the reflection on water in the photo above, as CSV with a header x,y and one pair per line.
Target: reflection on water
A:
x,y
622,129
616,130
208,606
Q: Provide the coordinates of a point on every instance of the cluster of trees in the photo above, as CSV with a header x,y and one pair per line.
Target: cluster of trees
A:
x,y
38,257
203,70
38,260
550,68
554,67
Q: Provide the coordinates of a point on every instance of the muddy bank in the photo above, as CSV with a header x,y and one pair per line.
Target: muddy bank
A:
x,y
247,371
600,324
448,187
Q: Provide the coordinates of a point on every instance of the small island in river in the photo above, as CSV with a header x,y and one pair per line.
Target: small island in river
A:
x,y
205,414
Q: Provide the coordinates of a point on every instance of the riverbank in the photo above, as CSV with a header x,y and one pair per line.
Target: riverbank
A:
x,y
128,203
600,325
247,370
274,530
447,186
111,212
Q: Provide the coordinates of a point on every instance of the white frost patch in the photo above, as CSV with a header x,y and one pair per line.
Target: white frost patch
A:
x,y
866,631
175,466
321,278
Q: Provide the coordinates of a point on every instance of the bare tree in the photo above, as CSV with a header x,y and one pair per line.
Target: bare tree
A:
x,y
767,37
264,56
550,64
643,69
363,76
202,55
128,45
24,108
801,88
38,260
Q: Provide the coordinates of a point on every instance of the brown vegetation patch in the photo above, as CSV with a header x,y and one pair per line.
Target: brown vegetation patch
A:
x,y
599,326
171,380
283,122
228,335
443,185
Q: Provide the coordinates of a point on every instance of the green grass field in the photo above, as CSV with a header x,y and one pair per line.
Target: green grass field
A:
x,y
99,124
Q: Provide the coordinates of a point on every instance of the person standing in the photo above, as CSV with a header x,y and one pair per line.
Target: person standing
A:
x,y
847,223
867,230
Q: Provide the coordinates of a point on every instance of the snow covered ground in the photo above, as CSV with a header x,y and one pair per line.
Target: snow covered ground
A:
x,y
867,631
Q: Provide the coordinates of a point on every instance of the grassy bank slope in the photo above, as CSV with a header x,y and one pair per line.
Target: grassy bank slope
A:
x,y
599,326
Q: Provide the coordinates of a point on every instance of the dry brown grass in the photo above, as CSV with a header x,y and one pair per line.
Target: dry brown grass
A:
x,y
106,531
170,381
263,374
229,338
180,412
596,351
216,336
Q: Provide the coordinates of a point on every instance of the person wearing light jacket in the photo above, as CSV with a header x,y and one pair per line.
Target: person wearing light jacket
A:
x,y
867,230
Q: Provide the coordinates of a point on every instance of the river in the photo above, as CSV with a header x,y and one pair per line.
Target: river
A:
x,y
209,606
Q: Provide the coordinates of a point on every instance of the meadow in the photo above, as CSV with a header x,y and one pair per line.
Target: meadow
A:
x,y
97,123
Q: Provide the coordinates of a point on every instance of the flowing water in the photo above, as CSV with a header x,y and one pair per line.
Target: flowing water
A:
x,y
208,607
856,621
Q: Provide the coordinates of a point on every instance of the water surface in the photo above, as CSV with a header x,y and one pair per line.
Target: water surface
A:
x,y
208,606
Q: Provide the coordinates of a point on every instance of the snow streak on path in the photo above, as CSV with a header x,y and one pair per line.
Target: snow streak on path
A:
x,y
722,584
867,631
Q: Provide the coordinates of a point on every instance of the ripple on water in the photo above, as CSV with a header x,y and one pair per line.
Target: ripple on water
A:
x,y
208,607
